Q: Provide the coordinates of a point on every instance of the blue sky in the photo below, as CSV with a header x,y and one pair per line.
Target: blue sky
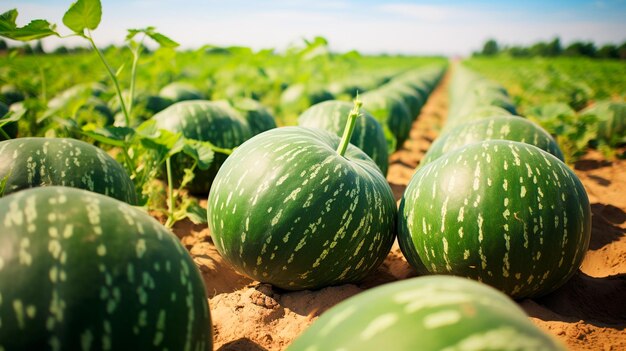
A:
x,y
454,27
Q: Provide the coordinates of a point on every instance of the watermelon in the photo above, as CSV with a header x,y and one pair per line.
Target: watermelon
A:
x,y
258,117
205,121
298,97
428,314
497,127
34,162
502,212
179,91
368,134
407,94
481,112
10,94
392,113
82,102
80,270
288,209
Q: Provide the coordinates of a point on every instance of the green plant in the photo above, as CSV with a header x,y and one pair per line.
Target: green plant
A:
x,y
82,17
145,150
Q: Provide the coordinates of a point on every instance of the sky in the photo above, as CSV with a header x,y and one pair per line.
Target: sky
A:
x,y
452,27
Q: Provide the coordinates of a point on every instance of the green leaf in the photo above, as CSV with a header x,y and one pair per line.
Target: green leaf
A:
x,y
8,19
12,116
83,14
165,142
196,213
162,40
119,70
36,29
115,136
3,183
200,151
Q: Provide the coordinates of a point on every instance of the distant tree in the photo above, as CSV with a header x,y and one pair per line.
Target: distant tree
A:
x,y
518,51
554,48
539,49
490,48
621,51
608,51
61,50
581,49
27,49
38,49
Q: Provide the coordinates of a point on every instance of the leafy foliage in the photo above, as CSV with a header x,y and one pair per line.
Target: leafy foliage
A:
x,y
83,14
34,30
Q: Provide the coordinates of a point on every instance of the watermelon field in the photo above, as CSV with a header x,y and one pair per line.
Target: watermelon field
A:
x,y
230,198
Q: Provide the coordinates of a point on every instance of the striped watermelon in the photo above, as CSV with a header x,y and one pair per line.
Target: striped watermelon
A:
x,y
436,313
81,271
179,91
34,162
287,209
502,212
368,134
203,120
391,112
258,117
498,127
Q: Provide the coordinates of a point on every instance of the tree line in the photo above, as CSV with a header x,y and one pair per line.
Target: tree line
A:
x,y
554,48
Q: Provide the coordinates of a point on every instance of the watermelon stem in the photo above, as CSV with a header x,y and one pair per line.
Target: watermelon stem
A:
x,y
113,77
170,193
349,129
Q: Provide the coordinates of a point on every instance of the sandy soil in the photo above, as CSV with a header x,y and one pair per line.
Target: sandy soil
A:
x,y
588,313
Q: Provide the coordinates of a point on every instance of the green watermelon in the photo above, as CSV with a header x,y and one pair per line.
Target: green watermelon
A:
x,y
391,112
298,97
436,313
368,134
502,212
81,271
258,117
477,113
34,162
287,209
205,121
497,127
82,102
407,94
10,94
178,91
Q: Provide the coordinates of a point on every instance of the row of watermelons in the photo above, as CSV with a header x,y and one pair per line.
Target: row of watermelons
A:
x,y
485,204
493,200
100,284
81,269
290,208
397,103
294,207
